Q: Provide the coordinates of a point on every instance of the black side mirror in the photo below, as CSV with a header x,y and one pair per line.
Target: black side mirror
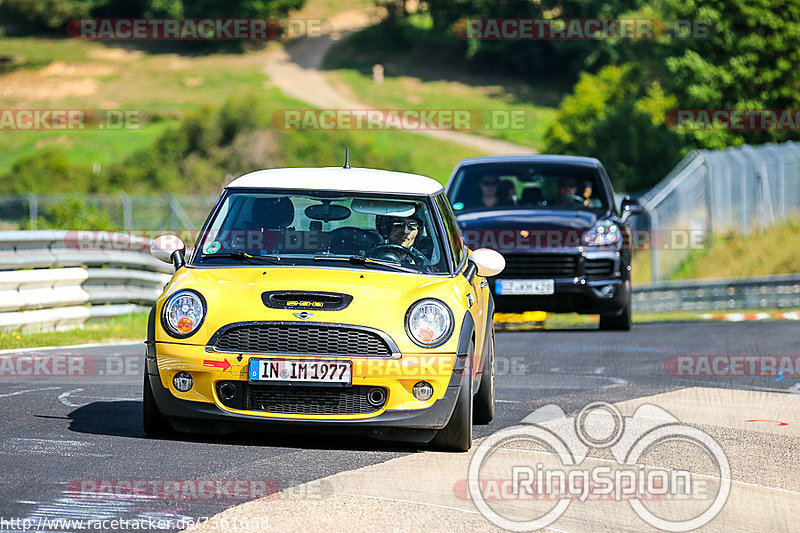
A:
x,y
630,206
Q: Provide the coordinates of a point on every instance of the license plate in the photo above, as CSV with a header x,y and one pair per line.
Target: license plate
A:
x,y
524,286
315,371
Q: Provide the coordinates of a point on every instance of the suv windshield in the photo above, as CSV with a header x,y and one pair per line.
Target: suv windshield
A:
x,y
528,186
280,228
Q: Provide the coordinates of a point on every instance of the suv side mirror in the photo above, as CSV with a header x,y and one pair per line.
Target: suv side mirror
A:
x,y
170,249
485,263
629,207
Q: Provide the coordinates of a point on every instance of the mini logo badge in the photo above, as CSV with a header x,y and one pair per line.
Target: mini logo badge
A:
x,y
303,315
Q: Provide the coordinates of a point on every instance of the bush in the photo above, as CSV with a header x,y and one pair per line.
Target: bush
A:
x,y
75,213
46,171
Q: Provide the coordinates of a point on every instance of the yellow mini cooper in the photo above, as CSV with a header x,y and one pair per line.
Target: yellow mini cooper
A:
x,y
337,299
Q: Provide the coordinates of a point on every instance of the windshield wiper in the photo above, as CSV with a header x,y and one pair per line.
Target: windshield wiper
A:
x,y
242,256
362,260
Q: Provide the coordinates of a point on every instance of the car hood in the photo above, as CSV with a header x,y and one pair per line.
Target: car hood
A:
x,y
527,219
524,230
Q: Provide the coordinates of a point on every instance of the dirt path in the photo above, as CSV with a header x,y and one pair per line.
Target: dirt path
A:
x,y
296,70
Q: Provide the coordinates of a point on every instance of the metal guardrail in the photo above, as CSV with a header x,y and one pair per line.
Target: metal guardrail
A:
x,y
47,281
771,292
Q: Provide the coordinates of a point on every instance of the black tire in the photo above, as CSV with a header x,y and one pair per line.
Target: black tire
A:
x,y
484,400
154,423
623,322
456,436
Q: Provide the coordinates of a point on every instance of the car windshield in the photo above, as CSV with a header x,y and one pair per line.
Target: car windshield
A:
x,y
528,186
268,227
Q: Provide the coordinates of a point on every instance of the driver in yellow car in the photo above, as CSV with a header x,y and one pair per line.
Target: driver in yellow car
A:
x,y
403,231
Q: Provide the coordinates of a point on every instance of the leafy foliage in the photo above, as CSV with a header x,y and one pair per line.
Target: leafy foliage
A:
x,y
610,117
76,212
54,14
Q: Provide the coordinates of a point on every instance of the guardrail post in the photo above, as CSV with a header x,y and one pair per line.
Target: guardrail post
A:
x,y
33,210
709,200
654,270
127,211
745,222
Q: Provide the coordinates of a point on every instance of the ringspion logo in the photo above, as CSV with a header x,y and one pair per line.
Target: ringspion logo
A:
x,y
535,489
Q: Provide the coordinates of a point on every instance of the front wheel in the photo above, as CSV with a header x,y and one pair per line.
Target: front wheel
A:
x,y
456,436
484,400
623,322
154,423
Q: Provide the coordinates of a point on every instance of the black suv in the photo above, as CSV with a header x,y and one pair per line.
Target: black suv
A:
x,y
554,219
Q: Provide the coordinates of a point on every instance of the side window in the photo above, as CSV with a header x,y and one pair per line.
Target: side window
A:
x,y
453,233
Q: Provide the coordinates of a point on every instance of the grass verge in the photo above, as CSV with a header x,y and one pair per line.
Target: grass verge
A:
x,y
95,76
762,253
132,327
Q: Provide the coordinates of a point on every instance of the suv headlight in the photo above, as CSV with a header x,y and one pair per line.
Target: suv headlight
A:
x,y
602,233
183,313
429,323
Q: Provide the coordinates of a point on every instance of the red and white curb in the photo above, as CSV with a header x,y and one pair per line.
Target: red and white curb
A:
x,y
741,317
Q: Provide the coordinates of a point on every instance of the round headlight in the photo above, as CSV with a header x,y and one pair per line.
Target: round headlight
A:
x,y
429,323
183,313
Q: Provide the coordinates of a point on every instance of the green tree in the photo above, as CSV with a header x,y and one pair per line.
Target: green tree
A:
x,y
621,122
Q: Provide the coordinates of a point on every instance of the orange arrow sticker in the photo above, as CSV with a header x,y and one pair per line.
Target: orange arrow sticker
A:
x,y
224,364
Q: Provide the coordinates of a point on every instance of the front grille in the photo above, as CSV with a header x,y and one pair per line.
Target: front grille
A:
x,y
598,268
310,339
302,400
540,266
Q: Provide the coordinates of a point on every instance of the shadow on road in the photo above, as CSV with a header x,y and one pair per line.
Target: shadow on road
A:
x,y
124,419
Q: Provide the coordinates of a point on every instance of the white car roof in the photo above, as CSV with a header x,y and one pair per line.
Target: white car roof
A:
x,y
339,179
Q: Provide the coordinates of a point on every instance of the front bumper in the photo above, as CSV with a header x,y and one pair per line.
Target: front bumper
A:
x,y
571,297
579,292
401,417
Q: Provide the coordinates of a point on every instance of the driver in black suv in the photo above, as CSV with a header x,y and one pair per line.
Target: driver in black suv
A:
x,y
567,189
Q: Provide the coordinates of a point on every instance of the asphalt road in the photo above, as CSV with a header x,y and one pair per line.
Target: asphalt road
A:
x,y
57,432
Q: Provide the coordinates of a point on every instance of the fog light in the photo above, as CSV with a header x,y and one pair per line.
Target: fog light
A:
x,y
183,381
227,391
607,291
422,391
376,397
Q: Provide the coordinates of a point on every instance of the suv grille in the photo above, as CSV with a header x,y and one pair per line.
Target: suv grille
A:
x,y
282,338
598,268
540,265
310,400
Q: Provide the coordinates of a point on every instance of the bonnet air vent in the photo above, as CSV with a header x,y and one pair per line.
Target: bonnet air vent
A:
x,y
322,301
